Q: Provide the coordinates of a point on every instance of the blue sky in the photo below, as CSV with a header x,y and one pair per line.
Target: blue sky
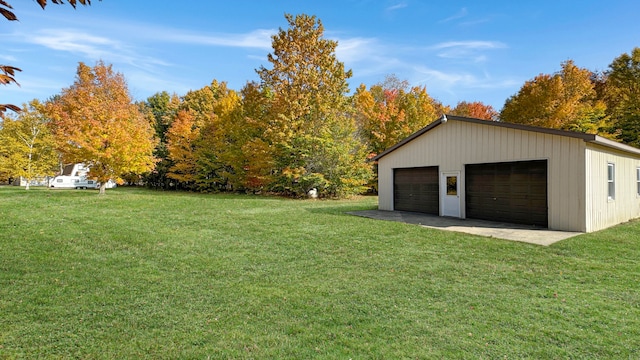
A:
x,y
460,50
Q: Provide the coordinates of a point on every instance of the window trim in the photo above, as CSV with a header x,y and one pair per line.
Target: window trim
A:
x,y
638,181
611,181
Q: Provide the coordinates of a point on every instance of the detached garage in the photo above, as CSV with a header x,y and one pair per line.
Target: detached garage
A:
x,y
471,168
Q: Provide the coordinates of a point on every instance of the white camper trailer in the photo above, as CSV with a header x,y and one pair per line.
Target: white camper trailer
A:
x,y
74,176
72,182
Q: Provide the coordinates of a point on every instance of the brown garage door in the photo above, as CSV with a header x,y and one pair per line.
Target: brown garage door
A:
x,y
416,189
514,192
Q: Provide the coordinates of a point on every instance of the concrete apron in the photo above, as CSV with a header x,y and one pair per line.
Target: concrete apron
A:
x,y
523,233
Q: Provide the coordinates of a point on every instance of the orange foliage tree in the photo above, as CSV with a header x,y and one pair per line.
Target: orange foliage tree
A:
x,y
96,123
475,110
181,146
390,111
565,100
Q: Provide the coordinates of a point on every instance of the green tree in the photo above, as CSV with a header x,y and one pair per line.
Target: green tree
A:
x,y
201,138
565,100
195,112
253,151
218,140
27,148
309,121
622,95
161,109
96,123
234,146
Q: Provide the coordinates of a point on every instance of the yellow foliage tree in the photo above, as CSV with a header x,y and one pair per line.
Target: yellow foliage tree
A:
x,y
390,111
96,123
565,100
27,148
309,123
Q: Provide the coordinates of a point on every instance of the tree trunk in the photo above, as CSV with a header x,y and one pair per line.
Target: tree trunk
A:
x,y
27,186
103,188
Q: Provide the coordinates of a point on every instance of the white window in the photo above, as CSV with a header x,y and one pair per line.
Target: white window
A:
x,y
611,180
638,180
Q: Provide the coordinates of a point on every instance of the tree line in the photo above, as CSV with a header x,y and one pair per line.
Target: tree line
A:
x,y
296,129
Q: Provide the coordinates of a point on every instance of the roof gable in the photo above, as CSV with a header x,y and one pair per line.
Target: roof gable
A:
x,y
572,134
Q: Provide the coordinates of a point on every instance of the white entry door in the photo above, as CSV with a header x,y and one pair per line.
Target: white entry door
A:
x,y
450,194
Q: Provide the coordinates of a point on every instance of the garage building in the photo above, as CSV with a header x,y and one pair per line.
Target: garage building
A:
x,y
471,168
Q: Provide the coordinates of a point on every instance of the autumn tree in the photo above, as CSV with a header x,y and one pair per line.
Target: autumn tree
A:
x,y
476,110
195,111
252,154
160,109
27,148
200,136
390,111
622,95
96,123
565,100
7,72
309,120
218,141
233,152
181,146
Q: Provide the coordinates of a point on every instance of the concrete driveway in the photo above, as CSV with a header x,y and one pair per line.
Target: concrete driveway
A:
x,y
498,230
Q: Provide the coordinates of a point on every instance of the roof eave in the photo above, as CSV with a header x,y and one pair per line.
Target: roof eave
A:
x,y
590,138
615,145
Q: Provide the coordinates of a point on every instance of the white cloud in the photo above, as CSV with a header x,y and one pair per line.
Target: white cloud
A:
x,y
443,79
369,57
356,49
74,41
398,6
260,39
92,47
31,87
470,45
459,15
8,58
466,49
451,80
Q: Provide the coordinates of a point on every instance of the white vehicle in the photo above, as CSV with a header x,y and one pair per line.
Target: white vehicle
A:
x,y
74,176
72,182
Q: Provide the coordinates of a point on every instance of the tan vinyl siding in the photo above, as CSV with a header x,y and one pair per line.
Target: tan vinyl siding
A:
x,y
453,144
601,212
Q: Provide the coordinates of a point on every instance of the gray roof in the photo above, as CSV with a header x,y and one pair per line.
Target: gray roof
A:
x,y
591,138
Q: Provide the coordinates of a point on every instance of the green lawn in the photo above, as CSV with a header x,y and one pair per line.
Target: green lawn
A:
x,y
143,274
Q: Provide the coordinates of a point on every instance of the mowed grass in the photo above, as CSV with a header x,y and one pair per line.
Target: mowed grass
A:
x,y
144,274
